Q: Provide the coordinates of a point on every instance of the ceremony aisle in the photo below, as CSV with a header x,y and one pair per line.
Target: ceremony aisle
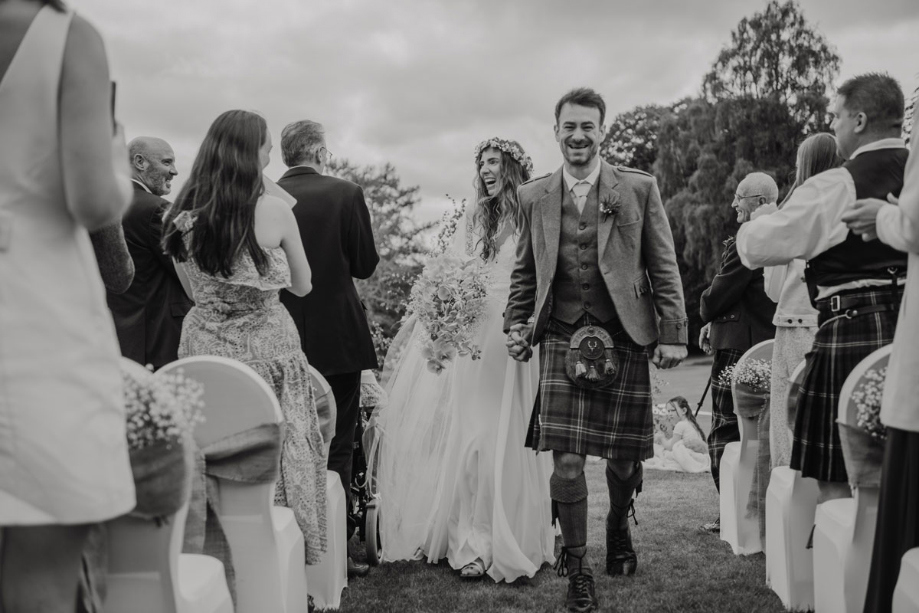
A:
x,y
680,569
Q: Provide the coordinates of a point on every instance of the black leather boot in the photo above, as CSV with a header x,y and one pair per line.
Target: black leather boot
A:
x,y
582,595
621,558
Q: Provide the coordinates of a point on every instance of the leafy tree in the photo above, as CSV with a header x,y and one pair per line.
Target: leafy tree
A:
x,y
777,54
399,242
631,138
766,91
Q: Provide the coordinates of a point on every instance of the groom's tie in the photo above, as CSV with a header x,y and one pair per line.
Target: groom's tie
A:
x,y
579,193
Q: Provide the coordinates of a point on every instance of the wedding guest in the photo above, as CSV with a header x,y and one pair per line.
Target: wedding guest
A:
x,y
737,315
148,316
896,223
336,234
854,283
115,264
63,450
795,318
237,247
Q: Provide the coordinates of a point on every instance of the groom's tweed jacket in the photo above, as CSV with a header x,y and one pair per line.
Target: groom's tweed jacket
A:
x,y
635,256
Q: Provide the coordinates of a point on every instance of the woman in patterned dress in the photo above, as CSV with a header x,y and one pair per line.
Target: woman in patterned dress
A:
x,y
238,247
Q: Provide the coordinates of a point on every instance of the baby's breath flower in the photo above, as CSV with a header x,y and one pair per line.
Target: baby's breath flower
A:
x,y
164,407
867,397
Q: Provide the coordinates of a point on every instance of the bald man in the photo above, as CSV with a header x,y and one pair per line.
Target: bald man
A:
x,y
737,314
148,317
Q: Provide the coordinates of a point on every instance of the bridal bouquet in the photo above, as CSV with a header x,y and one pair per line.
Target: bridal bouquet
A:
x,y
161,413
449,299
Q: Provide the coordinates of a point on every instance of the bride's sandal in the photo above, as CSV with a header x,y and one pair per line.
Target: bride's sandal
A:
x,y
473,570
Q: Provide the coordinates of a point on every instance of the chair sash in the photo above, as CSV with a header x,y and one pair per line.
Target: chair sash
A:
x,y
252,456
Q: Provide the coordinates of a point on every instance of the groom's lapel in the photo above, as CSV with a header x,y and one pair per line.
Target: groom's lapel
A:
x,y
550,206
608,194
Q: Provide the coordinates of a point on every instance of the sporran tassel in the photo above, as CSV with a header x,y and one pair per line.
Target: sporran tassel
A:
x,y
592,375
579,369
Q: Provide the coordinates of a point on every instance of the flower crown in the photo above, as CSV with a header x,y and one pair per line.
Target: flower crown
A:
x,y
509,147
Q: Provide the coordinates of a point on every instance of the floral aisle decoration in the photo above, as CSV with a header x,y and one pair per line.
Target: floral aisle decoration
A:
x,y
161,413
449,300
863,442
867,397
751,381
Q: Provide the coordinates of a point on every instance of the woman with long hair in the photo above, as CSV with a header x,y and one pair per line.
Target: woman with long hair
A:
x,y
237,247
455,478
795,318
63,451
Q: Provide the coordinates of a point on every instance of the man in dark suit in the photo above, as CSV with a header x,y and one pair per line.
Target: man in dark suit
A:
x,y
338,239
737,314
148,317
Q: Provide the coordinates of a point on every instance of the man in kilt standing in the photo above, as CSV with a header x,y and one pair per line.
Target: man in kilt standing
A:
x,y
595,284
854,283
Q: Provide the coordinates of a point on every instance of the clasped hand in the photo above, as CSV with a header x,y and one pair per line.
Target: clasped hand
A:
x,y
518,347
862,217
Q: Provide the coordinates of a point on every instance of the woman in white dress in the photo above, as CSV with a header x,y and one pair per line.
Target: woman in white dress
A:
x,y
63,451
455,478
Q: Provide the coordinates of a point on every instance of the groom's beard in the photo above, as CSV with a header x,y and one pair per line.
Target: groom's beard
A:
x,y
581,157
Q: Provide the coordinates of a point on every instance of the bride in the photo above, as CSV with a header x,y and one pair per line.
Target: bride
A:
x,y
455,478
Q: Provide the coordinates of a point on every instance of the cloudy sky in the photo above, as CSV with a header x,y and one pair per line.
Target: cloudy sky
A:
x,y
419,82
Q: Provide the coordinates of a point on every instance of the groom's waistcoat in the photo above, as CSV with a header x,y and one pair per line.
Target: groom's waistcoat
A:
x,y
579,287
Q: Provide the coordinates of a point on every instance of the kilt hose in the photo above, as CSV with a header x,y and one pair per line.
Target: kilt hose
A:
x,y
840,344
613,422
724,422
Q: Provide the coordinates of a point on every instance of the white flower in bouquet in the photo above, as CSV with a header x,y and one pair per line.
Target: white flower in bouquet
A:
x,y
756,374
449,300
867,397
162,408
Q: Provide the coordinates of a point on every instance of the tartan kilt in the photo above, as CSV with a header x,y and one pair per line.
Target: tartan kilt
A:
x,y
840,344
724,428
614,422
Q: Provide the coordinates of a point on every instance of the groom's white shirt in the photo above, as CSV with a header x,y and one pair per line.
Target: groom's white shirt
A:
x,y
571,183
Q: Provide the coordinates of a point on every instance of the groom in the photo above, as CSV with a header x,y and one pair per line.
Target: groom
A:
x,y
596,262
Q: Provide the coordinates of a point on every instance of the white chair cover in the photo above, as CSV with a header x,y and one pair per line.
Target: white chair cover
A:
x,y
147,573
791,501
328,578
266,542
844,530
906,594
737,468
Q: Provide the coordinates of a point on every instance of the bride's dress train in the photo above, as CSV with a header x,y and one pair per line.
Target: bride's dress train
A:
x,y
455,478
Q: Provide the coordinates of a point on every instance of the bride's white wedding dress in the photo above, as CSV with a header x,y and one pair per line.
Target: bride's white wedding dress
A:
x,y
455,478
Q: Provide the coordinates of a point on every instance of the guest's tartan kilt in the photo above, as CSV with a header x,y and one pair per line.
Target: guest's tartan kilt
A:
x,y
614,422
840,344
724,428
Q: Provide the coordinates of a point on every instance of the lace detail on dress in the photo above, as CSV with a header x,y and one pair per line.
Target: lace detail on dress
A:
x,y
242,318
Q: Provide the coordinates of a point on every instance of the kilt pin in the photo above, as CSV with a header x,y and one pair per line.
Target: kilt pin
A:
x,y
609,263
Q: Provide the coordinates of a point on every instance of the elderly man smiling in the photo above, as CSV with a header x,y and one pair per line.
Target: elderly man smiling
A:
x,y
737,314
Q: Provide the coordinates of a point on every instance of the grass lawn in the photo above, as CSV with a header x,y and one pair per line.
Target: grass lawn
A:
x,y
679,568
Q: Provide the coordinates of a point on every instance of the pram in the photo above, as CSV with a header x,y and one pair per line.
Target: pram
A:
x,y
365,500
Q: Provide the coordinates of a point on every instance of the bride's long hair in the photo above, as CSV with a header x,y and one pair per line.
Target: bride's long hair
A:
x,y
491,212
